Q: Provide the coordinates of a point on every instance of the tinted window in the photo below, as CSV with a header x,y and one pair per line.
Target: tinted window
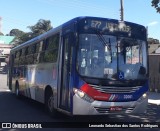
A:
x,y
51,49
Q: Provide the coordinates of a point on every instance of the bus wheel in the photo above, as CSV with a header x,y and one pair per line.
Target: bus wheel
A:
x,y
49,104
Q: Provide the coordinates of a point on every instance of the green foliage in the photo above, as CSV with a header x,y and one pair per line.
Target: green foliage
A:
x,y
156,5
16,32
40,27
25,37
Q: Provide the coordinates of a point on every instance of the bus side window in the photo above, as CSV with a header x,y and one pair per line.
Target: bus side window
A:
x,y
51,48
35,53
20,58
24,55
17,55
26,51
37,47
29,55
38,52
41,51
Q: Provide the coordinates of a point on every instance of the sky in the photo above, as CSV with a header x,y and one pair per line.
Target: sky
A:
x,y
19,14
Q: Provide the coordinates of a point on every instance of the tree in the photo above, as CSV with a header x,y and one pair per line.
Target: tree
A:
x,y
156,4
16,32
25,37
40,27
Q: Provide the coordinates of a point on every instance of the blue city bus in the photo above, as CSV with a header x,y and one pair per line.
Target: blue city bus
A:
x,y
86,66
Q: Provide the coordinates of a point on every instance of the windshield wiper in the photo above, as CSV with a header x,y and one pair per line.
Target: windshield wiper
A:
x,y
101,38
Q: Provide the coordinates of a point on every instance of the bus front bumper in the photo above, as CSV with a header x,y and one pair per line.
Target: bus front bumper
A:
x,y
82,107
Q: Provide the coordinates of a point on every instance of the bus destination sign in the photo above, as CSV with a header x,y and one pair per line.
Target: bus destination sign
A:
x,y
110,26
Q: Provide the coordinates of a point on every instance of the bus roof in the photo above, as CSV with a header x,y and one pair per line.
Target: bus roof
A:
x,y
59,28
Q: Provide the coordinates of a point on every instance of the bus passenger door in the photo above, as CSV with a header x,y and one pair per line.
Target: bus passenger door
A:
x,y
65,101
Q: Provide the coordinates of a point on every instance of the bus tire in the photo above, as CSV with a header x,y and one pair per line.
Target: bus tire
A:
x,y
49,104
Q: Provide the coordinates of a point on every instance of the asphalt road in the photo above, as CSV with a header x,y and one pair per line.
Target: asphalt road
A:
x,y
26,110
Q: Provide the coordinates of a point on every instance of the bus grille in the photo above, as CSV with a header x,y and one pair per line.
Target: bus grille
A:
x,y
107,110
107,89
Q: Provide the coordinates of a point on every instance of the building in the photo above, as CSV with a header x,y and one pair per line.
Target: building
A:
x,y
6,43
154,72
154,65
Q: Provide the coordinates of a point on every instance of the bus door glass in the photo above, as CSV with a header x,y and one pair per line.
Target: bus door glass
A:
x,y
66,72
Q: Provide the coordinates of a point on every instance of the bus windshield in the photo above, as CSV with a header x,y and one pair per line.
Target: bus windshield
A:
x,y
120,59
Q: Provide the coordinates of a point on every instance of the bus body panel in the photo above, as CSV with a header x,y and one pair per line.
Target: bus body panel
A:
x,y
82,107
35,78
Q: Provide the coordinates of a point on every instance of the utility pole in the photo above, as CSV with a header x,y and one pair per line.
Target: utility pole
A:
x,y
121,11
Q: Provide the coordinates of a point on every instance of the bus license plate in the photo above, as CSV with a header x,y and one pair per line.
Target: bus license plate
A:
x,y
115,108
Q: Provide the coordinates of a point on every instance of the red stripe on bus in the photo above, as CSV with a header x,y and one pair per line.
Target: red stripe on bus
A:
x,y
96,95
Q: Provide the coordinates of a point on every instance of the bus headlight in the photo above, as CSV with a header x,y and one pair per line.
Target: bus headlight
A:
x,y
83,95
144,95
